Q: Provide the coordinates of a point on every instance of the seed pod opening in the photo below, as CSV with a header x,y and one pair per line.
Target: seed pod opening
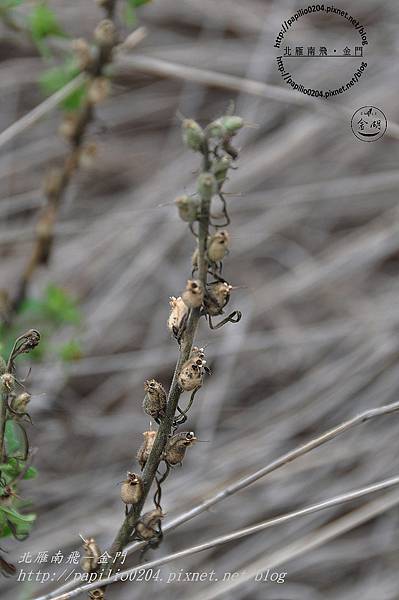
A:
x,y
193,295
191,374
176,447
216,297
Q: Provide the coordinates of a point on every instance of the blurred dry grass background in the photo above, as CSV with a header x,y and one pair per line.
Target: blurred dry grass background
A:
x,y
315,242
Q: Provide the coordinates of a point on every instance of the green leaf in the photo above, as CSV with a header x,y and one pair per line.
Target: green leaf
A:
x,y
6,4
43,22
56,78
31,473
70,351
16,440
136,3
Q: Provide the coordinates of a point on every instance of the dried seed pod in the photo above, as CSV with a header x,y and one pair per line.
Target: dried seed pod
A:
x,y
20,403
187,207
218,246
132,489
220,168
105,33
154,403
89,562
176,447
193,136
191,374
147,526
197,353
87,155
82,52
146,447
216,297
206,186
69,125
178,314
7,383
193,295
232,124
97,595
99,90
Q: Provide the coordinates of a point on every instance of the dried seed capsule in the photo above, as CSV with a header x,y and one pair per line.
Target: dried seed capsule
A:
x,y
197,352
92,553
146,447
20,403
193,295
87,155
187,207
206,186
132,489
148,525
193,136
216,297
191,374
218,246
82,52
154,403
7,383
232,124
99,90
220,168
105,33
176,447
96,595
178,314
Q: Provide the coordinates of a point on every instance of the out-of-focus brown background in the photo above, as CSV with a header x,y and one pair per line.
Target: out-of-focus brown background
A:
x,y
315,247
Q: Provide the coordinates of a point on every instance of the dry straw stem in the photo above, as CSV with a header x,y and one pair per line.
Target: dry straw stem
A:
x,y
253,477
58,181
236,535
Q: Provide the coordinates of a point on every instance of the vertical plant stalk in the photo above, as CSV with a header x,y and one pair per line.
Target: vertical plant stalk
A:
x,y
3,419
45,228
125,532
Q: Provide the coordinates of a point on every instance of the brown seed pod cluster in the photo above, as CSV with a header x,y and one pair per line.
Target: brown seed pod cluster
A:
x,y
146,447
154,403
132,489
148,526
176,447
92,552
193,295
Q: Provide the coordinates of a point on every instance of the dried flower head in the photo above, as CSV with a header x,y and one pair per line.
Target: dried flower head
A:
x,y
92,554
206,186
105,33
176,447
148,525
193,136
187,207
191,374
154,403
218,246
146,447
132,489
7,383
193,295
20,403
178,315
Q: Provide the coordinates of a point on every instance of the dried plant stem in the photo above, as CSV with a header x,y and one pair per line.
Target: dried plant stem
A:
x,y
255,476
239,534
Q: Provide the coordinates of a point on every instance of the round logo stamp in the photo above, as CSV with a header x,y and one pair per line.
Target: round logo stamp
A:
x,y
369,124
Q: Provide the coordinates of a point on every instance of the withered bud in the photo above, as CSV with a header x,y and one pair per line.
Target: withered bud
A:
x,y
88,155
206,186
154,403
148,524
82,52
20,403
132,489
99,90
7,383
26,342
176,447
218,246
193,295
92,554
146,447
187,207
216,297
193,136
191,374
178,314
53,182
105,33
69,125
220,168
